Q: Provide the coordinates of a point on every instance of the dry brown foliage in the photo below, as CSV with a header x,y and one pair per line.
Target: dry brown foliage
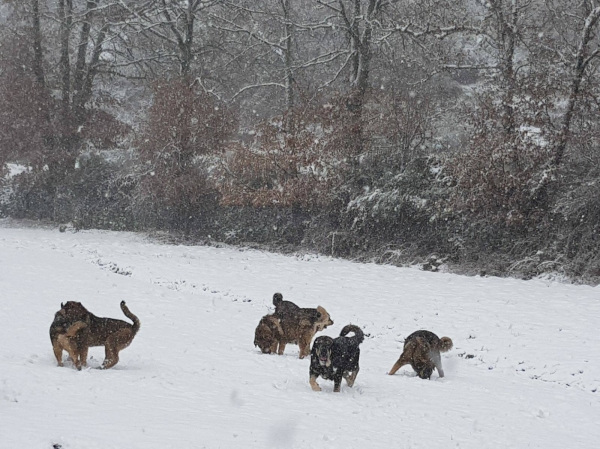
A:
x,y
498,173
294,161
184,129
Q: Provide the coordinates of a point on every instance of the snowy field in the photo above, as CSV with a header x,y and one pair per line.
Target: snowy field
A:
x,y
524,371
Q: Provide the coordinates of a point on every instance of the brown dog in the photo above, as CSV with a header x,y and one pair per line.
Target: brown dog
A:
x,y
422,351
68,337
299,325
268,334
115,335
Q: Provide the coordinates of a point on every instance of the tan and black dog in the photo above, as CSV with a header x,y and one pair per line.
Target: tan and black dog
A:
x,y
299,325
68,336
268,334
422,351
337,358
115,335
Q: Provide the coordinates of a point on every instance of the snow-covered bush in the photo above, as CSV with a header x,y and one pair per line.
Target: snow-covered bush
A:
x,y
95,194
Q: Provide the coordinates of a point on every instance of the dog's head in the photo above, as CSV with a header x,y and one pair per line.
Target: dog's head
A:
x,y
60,318
422,363
322,350
59,324
323,320
266,334
277,299
73,310
424,369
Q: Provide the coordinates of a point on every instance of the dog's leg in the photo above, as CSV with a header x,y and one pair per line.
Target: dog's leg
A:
x,y
82,350
399,364
281,348
75,355
67,344
273,347
350,378
437,361
70,347
304,345
115,343
111,356
313,383
57,348
83,353
337,382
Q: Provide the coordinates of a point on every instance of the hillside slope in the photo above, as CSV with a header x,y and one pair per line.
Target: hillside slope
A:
x,y
524,371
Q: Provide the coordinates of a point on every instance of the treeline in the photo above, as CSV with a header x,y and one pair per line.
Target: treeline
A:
x,y
457,132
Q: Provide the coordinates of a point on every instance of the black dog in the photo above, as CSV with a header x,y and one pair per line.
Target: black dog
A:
x,y
335,359
287,310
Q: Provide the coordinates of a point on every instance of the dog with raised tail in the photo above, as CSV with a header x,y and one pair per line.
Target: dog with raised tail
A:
x,y
422,352
336,358
298,325
114,334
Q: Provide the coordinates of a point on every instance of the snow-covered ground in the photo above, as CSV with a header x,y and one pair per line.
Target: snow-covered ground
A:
x,y
524,372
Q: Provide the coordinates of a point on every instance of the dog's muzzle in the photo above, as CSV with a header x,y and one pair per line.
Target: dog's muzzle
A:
x,y
324,359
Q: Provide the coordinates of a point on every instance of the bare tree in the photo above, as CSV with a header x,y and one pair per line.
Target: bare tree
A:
x,y
575,49
91,43
587,49
267,28
176,32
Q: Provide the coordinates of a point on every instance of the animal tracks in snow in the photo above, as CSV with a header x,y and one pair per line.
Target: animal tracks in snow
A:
x,y
111,266
181,285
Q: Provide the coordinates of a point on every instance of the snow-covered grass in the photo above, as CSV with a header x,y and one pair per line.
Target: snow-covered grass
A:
x,y
524,372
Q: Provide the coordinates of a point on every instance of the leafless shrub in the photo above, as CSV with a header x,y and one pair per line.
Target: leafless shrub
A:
x,y
25,129
498,172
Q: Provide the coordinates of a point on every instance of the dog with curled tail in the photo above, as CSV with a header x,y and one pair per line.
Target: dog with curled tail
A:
x,y
336,358
298,325
422,352
114,334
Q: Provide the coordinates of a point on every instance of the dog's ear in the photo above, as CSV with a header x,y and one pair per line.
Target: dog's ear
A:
x,y
62,305
322,312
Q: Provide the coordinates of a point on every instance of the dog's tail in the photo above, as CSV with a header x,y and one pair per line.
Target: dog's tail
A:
x,y
132,317
277,299
359,335
445,344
